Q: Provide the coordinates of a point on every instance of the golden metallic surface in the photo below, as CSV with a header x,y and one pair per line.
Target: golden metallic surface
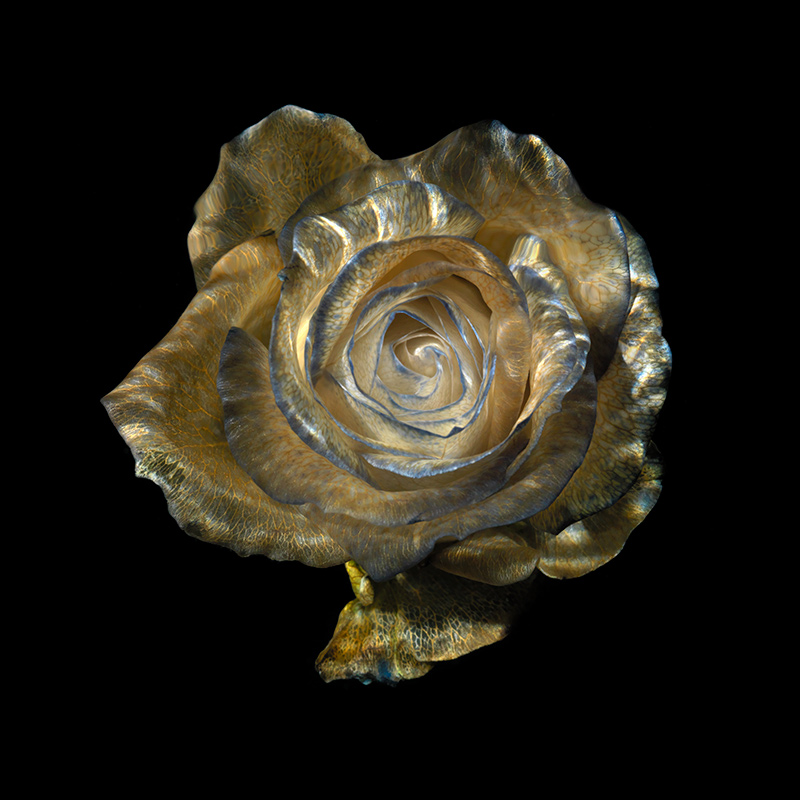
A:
x,y
592,541
443,370
264,174
169,412
398,630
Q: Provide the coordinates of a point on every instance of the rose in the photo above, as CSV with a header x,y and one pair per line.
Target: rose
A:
x,y
444,370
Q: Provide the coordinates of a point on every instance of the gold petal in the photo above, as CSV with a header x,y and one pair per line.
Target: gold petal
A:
x,y
263,176
506,555
260,437
561,342
586,545
499,556
339,192
629,397
169,412
400,629
323,244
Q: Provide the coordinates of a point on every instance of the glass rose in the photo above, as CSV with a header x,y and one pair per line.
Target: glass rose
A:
x,y
443,371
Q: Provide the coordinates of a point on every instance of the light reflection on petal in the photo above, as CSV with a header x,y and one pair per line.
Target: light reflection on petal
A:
x,y
264,174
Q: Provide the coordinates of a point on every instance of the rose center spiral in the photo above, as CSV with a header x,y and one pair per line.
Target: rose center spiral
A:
x,y
419,352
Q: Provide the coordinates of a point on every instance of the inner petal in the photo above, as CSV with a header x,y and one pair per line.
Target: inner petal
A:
x,y
411,354
405,365
421,352
430,356
477,397
422,360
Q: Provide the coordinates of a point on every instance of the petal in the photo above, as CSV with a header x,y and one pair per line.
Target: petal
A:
x,y
588,544
506,555
263,176
400,629
560,341
170,414
337,193
499,556
630,395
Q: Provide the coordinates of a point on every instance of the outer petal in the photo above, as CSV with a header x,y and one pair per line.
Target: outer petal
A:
x,y
506,555
499,556
170,414
520,185
398,630
630,396
586,545
264,174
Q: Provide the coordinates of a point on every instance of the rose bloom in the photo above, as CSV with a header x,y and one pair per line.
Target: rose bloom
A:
x,y
443,371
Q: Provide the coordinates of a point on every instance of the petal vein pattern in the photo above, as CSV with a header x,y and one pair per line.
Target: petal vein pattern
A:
x,y
169,411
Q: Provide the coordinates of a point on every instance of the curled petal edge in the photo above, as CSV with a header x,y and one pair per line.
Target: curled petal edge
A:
x,y
263,176
169,413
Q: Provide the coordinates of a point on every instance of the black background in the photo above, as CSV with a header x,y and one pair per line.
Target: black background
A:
x,y
170,626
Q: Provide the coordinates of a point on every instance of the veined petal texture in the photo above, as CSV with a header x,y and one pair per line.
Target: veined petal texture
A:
x,y
169,411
